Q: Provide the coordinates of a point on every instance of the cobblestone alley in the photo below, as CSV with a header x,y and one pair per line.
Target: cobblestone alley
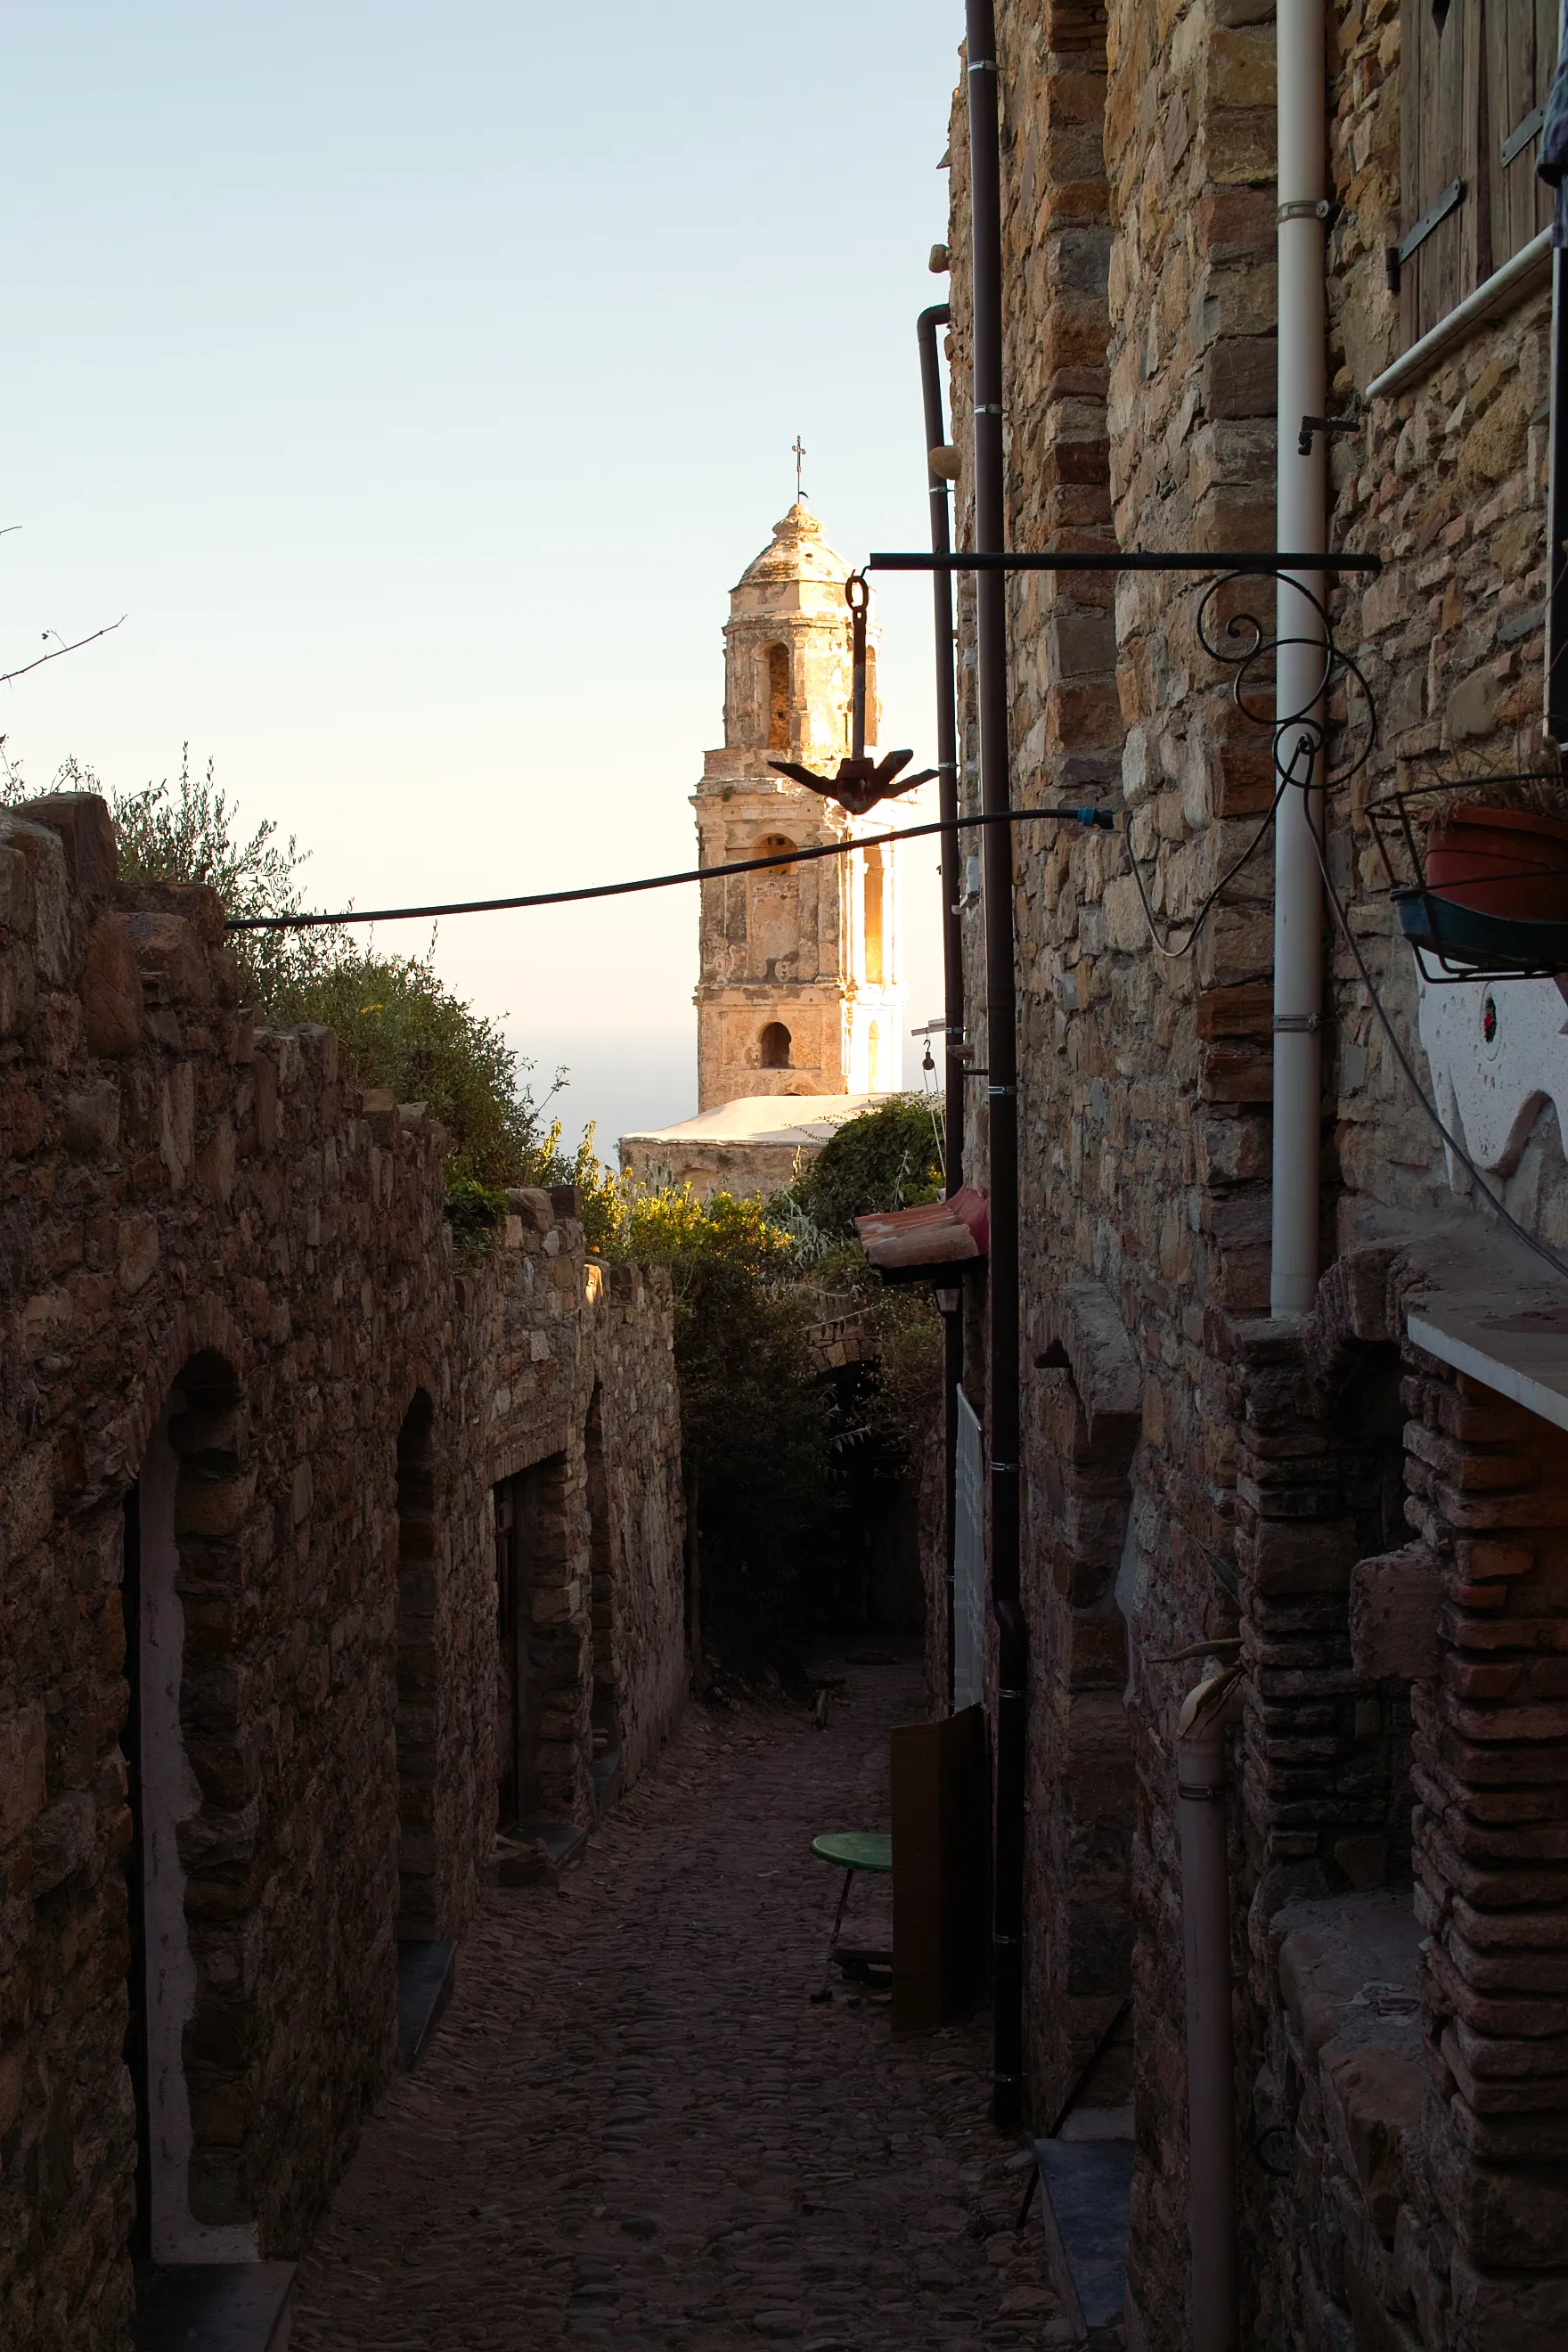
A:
x,y
634,2126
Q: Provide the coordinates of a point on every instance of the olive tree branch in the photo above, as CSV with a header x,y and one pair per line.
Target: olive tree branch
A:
x,y
108,630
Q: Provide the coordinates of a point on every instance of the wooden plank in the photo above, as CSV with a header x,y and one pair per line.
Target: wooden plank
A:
x,y
1473,258
1520,57
1441,108
941,1847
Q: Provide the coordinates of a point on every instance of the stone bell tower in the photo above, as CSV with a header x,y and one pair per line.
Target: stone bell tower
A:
x,y
800,989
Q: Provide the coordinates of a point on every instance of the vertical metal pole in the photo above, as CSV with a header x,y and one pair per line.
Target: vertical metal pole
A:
x,y
1556,717
1301,519
952,891
1002,1058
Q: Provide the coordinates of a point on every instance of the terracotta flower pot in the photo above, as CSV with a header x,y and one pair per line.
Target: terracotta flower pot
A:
x,y
1505,862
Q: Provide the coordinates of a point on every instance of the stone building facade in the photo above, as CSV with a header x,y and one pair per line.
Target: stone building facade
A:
x,y
320,1559
800,989
1367,1498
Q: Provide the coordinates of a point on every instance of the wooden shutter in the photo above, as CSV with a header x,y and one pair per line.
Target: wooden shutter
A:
x,y
1472,73
1439,98
1521,57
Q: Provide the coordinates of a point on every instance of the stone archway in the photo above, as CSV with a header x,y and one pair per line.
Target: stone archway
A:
x,y
1083,1428
418,1692
191,2005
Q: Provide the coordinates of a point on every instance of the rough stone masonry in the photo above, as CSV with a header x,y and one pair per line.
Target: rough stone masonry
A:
x,y
256,1438
1376,1526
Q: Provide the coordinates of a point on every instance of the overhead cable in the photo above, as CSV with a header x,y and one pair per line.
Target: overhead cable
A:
x,y
1103,818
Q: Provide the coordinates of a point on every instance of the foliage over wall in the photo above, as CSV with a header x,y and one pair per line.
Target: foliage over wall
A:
x,y
778,1459
398,1026
755,1421
890,1158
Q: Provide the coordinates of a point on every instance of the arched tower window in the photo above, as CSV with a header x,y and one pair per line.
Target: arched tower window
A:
x,y
778,698
875,882
773,1046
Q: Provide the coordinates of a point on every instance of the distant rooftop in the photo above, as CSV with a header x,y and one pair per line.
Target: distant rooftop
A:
x,y
791,1119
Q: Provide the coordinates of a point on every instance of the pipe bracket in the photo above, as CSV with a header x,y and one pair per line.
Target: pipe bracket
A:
x,y
1295,1024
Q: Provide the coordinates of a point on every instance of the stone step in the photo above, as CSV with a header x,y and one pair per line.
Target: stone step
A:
x,y
216,2307
426,1972
1086,2212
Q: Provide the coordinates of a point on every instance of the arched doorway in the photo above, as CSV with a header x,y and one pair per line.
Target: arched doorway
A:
x,y
187,2047
605,1715
418,1888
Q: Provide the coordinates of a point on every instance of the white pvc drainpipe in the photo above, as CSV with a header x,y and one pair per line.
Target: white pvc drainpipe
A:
x,y
1210,2061
1301,522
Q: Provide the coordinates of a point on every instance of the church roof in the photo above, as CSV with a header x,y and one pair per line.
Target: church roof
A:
x,y
797,550
798,1119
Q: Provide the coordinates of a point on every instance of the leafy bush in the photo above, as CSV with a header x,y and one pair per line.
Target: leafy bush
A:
x,y
890,1158
400,1027
397,1023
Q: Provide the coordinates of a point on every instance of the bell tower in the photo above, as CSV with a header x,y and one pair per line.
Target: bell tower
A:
x,y
800,989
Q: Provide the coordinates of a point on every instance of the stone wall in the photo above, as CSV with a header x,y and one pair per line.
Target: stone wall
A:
x,y
241,1374
1264,1481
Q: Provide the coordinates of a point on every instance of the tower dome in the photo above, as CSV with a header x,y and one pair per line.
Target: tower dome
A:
x,y
797,550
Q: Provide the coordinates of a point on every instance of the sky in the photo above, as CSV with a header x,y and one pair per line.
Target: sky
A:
x,y
418,381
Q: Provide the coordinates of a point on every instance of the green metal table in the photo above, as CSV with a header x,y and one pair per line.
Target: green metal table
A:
x,y
849,1851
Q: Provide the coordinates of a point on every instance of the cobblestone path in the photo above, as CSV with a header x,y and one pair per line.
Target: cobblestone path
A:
x,y
632,2125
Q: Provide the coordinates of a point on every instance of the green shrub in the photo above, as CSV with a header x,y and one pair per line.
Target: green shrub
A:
x,y
890,1158
755,1421
398,1024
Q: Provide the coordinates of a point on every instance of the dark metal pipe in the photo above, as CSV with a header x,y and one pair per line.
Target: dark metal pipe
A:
x,y
1002,1058
1264,561
1556,713
952,893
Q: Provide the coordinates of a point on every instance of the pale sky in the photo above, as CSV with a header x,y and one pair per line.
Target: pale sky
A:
x,y
419,381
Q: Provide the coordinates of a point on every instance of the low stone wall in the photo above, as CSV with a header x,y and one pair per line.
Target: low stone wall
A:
x,y
251,1424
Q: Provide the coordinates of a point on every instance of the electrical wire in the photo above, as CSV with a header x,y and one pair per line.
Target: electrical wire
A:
x,y
1085,816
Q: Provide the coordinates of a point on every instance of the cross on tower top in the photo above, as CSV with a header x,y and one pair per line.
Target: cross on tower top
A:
x,y
799,447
